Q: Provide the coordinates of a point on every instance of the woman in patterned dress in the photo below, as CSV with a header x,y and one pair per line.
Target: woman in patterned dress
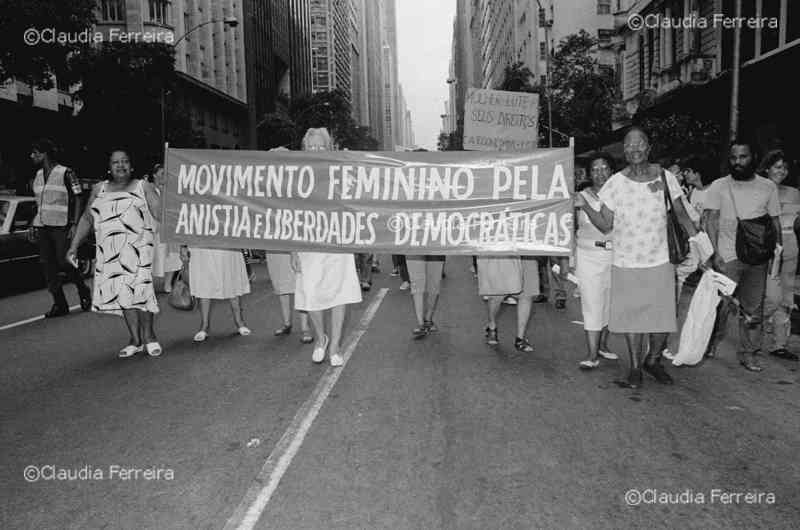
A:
x,y
122,210
642,297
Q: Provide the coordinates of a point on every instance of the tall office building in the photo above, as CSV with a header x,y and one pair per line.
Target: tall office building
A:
x,y
209,58
358,63
330,45
374,75
278,58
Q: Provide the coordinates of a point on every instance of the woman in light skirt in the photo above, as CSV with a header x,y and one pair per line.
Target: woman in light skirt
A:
x,y
325,281
283,283
593,269
642,300
217,274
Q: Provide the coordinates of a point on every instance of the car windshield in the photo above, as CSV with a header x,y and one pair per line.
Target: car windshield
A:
x,y
4,207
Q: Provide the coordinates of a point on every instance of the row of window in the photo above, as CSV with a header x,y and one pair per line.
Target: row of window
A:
x,y
156,11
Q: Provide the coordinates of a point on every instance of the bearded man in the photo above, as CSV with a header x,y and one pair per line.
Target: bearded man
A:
x,y
741,195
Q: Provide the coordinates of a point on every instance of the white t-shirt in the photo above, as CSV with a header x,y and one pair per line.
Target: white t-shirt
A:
x,y
640,219
754,198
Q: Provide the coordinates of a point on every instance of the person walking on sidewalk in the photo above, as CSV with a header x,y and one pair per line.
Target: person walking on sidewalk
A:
x,y
426,280
58,194
742,196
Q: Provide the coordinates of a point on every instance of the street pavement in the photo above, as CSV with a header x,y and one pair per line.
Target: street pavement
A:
x,y
444,432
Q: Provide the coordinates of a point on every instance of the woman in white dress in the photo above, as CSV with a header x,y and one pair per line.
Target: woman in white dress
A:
x,y
593,269
324,280
166,259
217,274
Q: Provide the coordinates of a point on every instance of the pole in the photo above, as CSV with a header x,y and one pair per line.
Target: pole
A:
x,y
163,116
548,24
737,39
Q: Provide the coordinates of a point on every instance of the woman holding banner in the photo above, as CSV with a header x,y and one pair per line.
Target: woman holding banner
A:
x,y
217,274
632,204
325,280
283,281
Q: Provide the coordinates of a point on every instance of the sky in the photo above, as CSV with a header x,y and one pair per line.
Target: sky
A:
x,y
424,37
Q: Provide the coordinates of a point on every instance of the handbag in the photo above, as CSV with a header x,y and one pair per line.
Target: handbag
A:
x,y
181,297
755,238
677,237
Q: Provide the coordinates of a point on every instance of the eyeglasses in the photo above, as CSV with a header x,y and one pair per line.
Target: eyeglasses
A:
x,y
634,145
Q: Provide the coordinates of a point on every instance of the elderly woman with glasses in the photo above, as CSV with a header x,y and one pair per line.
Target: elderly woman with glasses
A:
x,y
325,281
642,299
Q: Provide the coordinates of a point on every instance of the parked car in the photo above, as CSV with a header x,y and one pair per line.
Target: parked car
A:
x,y
19,256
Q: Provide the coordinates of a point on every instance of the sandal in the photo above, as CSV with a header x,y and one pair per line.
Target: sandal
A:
x,y
129,351
522,344
607,355
244,331
307,338
337,360
286,329
751,365
153,349
419,332
200,336
430,326
588,365
783,353
491,336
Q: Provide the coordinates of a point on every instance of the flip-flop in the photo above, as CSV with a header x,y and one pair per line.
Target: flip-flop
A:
x,y
200,336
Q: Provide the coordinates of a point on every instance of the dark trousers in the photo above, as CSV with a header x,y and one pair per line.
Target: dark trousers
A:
x,y
399,261
53,246
751,280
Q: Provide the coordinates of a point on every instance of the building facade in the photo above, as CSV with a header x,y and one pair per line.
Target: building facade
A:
x,y
688,70
209,58
278,58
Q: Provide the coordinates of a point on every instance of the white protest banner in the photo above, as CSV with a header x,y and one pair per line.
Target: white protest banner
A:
x,y
496,120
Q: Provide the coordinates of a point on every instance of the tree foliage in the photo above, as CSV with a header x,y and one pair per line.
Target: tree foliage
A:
x,y
329,109
680,135
517,78
583,94
120,98
36,63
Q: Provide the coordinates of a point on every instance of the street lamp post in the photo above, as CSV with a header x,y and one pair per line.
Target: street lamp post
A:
x,y
230,22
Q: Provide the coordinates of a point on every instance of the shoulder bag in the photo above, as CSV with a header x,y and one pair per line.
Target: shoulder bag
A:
x,y
677,238
755,238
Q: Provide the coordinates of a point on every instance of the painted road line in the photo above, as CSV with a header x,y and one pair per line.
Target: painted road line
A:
x,y
266,482
28,321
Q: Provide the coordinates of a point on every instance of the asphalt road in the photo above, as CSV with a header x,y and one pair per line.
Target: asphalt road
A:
x,y
440,433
